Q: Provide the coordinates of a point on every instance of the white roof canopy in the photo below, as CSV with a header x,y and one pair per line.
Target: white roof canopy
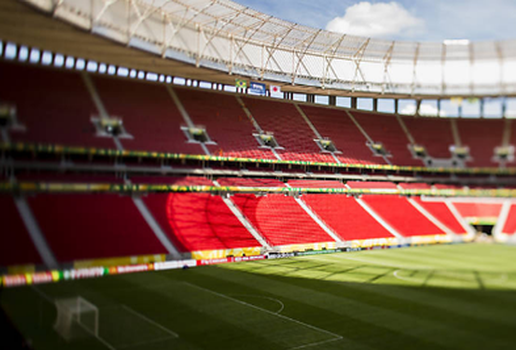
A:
x,y
228,37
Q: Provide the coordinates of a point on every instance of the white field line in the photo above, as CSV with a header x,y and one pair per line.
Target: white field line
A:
x,y
154,323
335,336
282,306
147,342
395,273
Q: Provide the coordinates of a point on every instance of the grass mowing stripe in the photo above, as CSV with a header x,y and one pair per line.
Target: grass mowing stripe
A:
x,y
335,336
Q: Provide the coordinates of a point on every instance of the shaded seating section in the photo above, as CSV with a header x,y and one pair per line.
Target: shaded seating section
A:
x,y
510,224
53,104
345,216
225,122
440,211
481,136
89,226
290,130
16,247
348,139
477,210
148,114
387,130
435,134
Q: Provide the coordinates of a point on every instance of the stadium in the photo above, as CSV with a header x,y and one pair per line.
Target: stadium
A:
x,y
197,174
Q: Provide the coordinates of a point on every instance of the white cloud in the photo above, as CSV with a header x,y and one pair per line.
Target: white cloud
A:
x,y
376,20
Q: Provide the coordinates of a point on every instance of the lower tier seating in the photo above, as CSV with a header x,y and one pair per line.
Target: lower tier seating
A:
x,y
401,215
16,247
92,226
199,221
280,219
510,224
345,216
440,211
478,210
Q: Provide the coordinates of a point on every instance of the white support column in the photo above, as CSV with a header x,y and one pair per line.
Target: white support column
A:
x,y
243,220
156,228
317,219
35,233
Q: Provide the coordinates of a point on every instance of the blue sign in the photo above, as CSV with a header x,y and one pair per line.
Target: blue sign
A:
x,y
257,88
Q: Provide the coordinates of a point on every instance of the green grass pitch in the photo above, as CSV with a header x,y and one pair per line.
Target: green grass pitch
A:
x,y
434,297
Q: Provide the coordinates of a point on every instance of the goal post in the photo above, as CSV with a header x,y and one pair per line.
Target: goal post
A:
x,y
75,316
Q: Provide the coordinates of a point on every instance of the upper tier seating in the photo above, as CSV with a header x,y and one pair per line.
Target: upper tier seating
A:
x,y
434,134
89,226
387,130
16,247
481,136
348,139
148,114
54,106
290,130
225,122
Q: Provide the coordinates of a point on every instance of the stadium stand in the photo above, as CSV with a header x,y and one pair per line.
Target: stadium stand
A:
x,y
148,114
201,221
278,218
481,143
401,215
336,125
397,211
92,226
478,209
440,211
290,130
225,122
387,130
16,247
62,117
432,133
509,227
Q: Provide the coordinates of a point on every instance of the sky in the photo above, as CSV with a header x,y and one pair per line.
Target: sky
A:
x,y
414,20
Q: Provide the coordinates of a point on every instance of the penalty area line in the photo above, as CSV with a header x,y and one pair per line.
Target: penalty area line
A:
x,y
335,336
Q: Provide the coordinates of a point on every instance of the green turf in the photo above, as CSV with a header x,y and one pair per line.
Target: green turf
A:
x,y
436,297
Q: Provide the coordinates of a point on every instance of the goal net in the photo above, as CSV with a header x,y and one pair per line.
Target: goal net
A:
x,y
76,317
